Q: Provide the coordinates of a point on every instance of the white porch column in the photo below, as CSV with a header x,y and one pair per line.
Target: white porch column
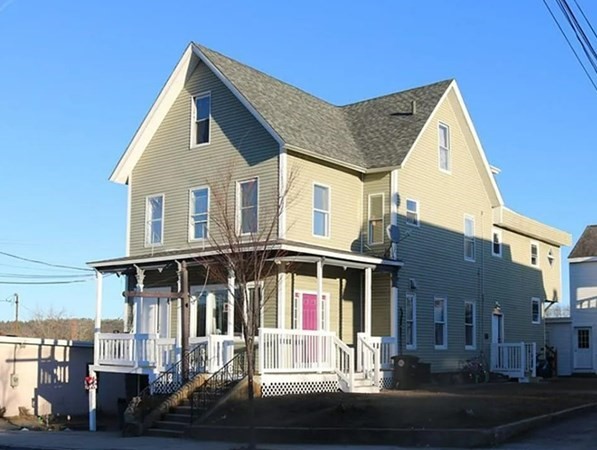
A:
x,y
394,209
99,279
282,296
367,312
138,301
231,285
92,405
394,319
319,292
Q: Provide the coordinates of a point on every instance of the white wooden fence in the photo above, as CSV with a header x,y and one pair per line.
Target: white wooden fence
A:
x,y
515,360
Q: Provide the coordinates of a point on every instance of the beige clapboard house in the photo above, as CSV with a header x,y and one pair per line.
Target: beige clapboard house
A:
x,y
395,235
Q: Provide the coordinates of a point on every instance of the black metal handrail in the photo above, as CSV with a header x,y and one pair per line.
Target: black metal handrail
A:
x,y
171,380
218,384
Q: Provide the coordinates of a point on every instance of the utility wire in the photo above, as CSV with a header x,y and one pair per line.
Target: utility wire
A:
x,y
33,276
45,282
586,18
45,263
570,45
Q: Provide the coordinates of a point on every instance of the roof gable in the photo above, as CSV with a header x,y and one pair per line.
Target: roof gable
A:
x,y
372,134
586,246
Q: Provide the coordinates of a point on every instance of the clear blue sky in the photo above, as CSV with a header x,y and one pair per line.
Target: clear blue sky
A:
x,y
76,79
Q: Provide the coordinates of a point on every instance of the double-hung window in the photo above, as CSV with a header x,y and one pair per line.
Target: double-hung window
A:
x,y
469,325
412,212
248,205
440,320
376,211
536,310
201,119
411,321
496,242
469,238
154,220
444,147
321,210
534,254
199,213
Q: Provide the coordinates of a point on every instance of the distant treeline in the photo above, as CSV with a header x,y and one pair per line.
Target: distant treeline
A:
x,y
59,328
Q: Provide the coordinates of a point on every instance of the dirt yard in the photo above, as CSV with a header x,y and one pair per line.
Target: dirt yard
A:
x,y
462,406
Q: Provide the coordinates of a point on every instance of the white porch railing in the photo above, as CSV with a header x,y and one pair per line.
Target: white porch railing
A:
x,y
515,360
153,352
292,351
368,358
219,349
142,350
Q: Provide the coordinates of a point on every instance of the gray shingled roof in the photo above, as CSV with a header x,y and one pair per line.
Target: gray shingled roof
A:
x,y
369,134
587,244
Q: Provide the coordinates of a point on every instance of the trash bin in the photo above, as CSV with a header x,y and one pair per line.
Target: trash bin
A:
x,y
405,371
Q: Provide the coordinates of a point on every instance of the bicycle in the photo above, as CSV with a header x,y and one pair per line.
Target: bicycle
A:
x,y
474,371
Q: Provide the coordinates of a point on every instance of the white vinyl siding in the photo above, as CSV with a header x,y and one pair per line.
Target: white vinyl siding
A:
x,y
154,220
469,238
411,321
440,321
201,129
470,325
535,310
199,213
321,210
248,206
376,213
444,148
412,212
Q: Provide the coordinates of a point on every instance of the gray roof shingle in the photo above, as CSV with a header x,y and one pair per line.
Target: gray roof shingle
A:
x,y
368,134
587,244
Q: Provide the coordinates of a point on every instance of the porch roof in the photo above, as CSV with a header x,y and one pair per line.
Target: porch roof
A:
x,y
292,249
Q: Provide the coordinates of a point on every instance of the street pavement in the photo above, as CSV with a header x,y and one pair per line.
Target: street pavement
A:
x,y
577,433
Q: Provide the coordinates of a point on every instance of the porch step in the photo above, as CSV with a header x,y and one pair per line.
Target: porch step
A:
x,y
163,432
171,425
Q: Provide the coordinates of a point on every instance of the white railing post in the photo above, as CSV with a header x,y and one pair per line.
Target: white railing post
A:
x,y
350,369
523,360
360,337
261,350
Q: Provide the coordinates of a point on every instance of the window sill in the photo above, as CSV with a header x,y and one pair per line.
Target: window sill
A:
x,y
161,244
441,347
194,146
470,348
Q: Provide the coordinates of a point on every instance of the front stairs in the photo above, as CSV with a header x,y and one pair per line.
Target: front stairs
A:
x,y
363,385
174,423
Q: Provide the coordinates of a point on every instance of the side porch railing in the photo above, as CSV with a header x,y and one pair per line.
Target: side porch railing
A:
x,y
153,352
515,360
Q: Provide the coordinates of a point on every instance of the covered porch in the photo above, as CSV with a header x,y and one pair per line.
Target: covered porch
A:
x,y
317,314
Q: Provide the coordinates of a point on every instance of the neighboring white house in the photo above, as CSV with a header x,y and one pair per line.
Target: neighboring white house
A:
x,y
47,376
583,301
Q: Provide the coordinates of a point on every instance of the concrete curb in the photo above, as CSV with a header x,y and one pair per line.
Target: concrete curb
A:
x,y
414,437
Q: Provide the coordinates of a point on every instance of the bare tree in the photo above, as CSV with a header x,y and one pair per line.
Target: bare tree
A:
x,y
245,244
558,310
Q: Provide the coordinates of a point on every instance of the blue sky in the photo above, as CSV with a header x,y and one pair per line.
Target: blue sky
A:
x,y
76,79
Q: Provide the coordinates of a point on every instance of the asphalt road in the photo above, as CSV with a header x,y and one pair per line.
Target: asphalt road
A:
x,y
577,433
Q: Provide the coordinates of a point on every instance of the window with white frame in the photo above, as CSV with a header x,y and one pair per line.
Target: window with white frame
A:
x,y
470,333
199,213
534,254
154,220
321,210
440,320
469,238
376,211
411,321
201,119
444,147
248,205
496,242
412,212
536,310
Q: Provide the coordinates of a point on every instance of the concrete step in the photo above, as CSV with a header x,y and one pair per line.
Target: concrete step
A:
x,y
167,424
162,432
175,417
365,390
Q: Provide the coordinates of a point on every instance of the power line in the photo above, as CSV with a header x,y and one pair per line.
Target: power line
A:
x,y
45,282
570,45
45,263
33,276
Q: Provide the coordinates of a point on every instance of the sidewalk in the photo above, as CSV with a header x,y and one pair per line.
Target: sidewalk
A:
x,y
71,440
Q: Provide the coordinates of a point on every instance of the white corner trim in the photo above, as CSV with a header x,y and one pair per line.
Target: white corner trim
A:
x,y
129,205
282,194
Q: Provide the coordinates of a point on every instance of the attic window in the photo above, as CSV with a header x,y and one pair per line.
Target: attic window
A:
x,y
201,119
550,257
444,148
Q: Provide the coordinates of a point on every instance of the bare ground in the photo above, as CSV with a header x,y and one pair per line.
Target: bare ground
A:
x,y
462,406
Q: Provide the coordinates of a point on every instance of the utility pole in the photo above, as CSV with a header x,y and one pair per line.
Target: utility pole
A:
x,y
16,314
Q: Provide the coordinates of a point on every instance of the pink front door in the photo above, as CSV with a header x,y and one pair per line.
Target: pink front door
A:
x,y
309,312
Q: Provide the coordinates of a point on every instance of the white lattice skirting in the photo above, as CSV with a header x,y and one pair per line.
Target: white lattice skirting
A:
x,y
386,380
275,385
